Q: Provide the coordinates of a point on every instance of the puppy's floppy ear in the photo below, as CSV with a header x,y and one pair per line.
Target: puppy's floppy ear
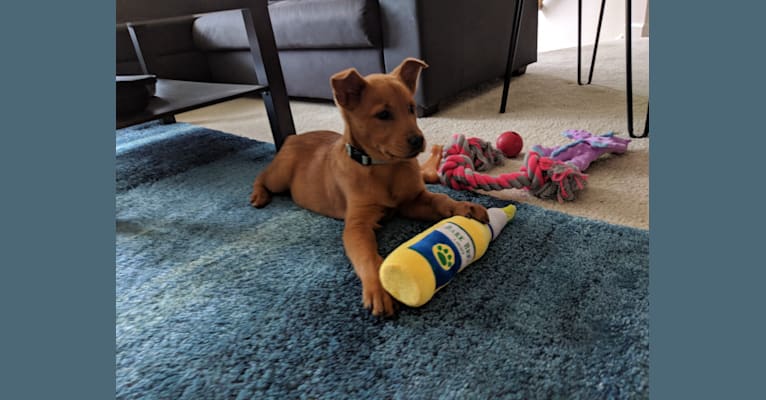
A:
x,y
348,86
408,72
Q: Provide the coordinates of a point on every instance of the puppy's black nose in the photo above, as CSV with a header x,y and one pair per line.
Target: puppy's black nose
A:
x,y
415,142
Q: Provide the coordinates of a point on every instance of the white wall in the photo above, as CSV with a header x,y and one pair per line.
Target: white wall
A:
x,y
557,22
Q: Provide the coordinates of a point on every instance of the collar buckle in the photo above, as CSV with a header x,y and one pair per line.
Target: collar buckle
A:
x,y
359,156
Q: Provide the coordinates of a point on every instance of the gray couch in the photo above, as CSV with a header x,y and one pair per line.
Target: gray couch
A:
x,y
465,42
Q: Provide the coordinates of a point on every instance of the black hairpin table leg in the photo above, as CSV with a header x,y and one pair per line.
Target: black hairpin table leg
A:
x,y
595,45
511,52
579,41
629,74
628,60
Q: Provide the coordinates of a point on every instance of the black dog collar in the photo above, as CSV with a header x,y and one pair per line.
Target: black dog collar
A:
x,y
360,156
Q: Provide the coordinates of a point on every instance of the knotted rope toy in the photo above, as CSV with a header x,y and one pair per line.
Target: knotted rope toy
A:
x,y
544,177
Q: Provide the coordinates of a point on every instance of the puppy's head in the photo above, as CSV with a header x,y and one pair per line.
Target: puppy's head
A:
x,y
379,110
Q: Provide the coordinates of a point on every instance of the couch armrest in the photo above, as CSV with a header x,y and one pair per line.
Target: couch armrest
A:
x,y
463,41
166,48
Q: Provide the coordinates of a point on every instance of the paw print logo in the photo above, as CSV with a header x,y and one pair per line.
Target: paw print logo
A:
x,y
444,255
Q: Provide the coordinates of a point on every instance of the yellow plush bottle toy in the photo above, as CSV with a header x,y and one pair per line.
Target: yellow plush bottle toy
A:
x,y
415,270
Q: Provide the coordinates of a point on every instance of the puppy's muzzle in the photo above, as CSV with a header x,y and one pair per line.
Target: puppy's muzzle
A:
x,y
416,143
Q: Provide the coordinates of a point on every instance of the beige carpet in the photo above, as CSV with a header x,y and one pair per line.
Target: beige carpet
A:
x,y
542,103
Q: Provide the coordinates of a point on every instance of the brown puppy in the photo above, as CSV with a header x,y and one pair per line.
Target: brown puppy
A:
x,y
325,172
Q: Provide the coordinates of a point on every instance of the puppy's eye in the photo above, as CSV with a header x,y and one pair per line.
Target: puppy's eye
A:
x,y
384,115
411,109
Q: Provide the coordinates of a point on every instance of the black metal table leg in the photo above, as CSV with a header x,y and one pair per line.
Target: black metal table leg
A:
x,y
268,70
629,74
628,60
646,125
511,52
595,44
579,41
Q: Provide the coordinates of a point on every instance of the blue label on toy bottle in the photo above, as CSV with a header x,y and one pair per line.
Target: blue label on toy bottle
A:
x,y
448,249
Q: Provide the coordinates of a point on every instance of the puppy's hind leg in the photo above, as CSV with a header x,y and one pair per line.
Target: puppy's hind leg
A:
x,y
274,179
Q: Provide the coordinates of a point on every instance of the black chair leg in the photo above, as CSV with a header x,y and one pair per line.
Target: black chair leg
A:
x,y
511,52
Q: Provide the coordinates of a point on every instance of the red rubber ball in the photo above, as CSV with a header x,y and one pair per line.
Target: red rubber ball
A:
x,y
510,143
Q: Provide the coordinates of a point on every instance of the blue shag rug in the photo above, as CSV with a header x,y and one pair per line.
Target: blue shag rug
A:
x,y
218,300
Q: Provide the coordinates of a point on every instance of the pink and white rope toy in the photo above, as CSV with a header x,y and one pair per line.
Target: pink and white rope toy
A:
x,y
544,177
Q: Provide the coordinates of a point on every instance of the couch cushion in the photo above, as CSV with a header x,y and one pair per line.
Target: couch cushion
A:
x,y
224,30
298,24
314,24
232,67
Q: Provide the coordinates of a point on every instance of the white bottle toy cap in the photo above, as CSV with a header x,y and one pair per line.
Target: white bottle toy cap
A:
x,y
498,217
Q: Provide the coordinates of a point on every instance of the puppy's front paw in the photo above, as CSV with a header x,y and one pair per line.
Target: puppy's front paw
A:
x,y
376,299
260,197
471,210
